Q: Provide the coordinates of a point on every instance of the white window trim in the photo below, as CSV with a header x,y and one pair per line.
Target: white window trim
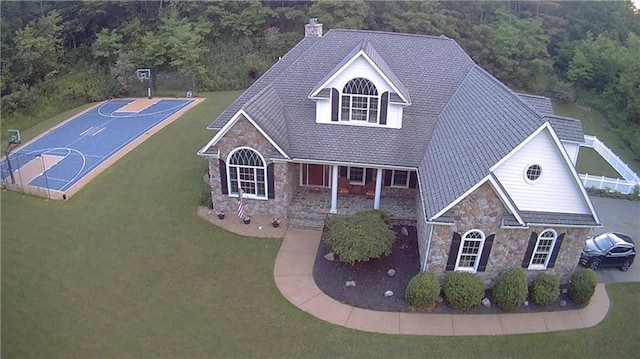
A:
x,y
364,175
480,249
535,250
377,98
264,168
526,178
393,177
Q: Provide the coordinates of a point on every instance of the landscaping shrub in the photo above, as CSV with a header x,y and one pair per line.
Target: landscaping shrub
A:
x,y
463,290
510,289
582,286
423,290
360,237
545,289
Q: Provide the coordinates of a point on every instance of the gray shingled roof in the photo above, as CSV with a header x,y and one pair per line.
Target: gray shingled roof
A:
x,y
483,122
539,103
567,129
549,218
461,120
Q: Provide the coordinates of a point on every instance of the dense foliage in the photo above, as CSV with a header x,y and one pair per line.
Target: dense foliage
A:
x,y
360,237
463,291
586,51
583,286
423,290
545,289
510,289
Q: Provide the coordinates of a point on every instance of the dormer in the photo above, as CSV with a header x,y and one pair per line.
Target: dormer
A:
x,y
361,90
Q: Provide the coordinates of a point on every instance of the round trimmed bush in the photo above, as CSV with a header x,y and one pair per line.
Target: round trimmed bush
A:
x,y
510,289
423,290
582,286
360,237
463,290
545,289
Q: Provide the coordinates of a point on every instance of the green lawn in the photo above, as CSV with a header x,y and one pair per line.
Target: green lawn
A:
x,y
126,269
590,161
595,124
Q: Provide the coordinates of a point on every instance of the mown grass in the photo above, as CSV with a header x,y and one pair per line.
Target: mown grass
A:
x,y
126,269
593,123
590,162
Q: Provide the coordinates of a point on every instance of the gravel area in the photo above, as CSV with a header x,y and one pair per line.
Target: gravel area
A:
x,y
260,226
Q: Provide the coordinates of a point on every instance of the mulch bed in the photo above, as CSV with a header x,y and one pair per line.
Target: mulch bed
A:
x,y
372,280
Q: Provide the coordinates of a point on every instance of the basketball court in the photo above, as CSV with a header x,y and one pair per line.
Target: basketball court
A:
x,y
61,161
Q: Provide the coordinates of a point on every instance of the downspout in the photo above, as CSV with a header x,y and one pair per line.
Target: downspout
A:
x,y
425,266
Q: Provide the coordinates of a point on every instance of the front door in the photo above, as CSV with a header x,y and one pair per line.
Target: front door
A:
x,y
315,175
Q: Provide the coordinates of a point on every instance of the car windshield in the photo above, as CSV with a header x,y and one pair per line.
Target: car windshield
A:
x,y
602,242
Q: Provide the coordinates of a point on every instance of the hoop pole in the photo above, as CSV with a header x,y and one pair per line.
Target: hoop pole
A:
x,y
149,87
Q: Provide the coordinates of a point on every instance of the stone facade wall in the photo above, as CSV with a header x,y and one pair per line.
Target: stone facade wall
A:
x,y
483,210
393,192
243,133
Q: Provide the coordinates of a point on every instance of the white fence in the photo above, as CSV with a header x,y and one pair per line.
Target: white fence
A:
x,y
625,185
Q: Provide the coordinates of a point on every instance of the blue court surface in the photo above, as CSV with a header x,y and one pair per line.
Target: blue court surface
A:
x,y
60,158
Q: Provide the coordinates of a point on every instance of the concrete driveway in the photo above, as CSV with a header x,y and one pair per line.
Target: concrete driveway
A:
x,y
619,215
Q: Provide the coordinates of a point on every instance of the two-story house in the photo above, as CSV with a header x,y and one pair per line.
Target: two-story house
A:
x,y
403,121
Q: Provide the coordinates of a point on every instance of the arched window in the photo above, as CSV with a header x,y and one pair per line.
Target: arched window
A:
x,y
246,169
470,251
360,101
543,249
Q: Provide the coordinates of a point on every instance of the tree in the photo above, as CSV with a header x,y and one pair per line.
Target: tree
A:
x,y
39,47
340,14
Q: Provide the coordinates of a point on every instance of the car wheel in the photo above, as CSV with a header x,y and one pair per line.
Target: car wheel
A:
x,y
625,266
595,264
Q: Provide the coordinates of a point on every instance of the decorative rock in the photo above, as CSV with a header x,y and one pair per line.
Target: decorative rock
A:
x,y
391,272
486,302
526,303
565,290
563,303
350,284
330,256
388,293
404,231
440,299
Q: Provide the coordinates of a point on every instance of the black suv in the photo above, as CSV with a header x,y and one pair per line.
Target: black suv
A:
x,y
608,250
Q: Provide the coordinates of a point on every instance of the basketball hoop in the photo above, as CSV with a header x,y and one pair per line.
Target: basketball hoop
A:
x,y
142,75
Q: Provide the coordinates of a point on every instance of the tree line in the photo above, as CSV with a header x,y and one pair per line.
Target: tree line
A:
x,y
56,55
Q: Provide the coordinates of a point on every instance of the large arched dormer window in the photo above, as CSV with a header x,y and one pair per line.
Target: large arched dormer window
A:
x,y
247,169
360,101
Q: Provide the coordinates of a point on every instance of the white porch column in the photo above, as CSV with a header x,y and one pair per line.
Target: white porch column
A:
x,y
334,190
376,200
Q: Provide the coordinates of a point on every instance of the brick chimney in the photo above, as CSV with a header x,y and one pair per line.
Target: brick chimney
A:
x,y
313,28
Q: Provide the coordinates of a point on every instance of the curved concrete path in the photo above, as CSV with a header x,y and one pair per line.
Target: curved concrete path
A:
x,y
293,273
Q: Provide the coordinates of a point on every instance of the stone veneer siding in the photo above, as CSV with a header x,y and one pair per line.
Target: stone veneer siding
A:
x,y
483,210
243,133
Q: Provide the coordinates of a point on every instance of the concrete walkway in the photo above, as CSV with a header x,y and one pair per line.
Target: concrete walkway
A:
x,y
293,273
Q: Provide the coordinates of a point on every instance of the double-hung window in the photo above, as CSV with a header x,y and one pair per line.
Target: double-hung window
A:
x,y
543,249
400,179
360,101
247,171
470,251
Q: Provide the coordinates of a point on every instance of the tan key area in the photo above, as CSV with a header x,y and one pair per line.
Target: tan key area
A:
x,y
139,105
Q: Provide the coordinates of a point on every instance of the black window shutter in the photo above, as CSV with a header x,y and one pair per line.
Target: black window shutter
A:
x,y
271,182
223,176
335,104
384,103
413,179
532,244
484,257
387,177
556,249
453,252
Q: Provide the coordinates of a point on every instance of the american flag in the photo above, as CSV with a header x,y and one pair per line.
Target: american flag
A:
x,y
240,205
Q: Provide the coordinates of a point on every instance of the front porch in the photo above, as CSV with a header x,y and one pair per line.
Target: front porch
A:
x,y
309,207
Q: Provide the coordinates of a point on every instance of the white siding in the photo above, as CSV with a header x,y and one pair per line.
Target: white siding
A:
x,y
554,191
323,111
572,150
359,68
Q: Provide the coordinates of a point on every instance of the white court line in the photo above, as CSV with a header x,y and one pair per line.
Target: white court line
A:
x,y
87,130
100,130
69,151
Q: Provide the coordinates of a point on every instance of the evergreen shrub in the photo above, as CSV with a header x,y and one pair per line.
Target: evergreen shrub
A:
x,y
463,290
545,289
510,289
423,290
582,286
